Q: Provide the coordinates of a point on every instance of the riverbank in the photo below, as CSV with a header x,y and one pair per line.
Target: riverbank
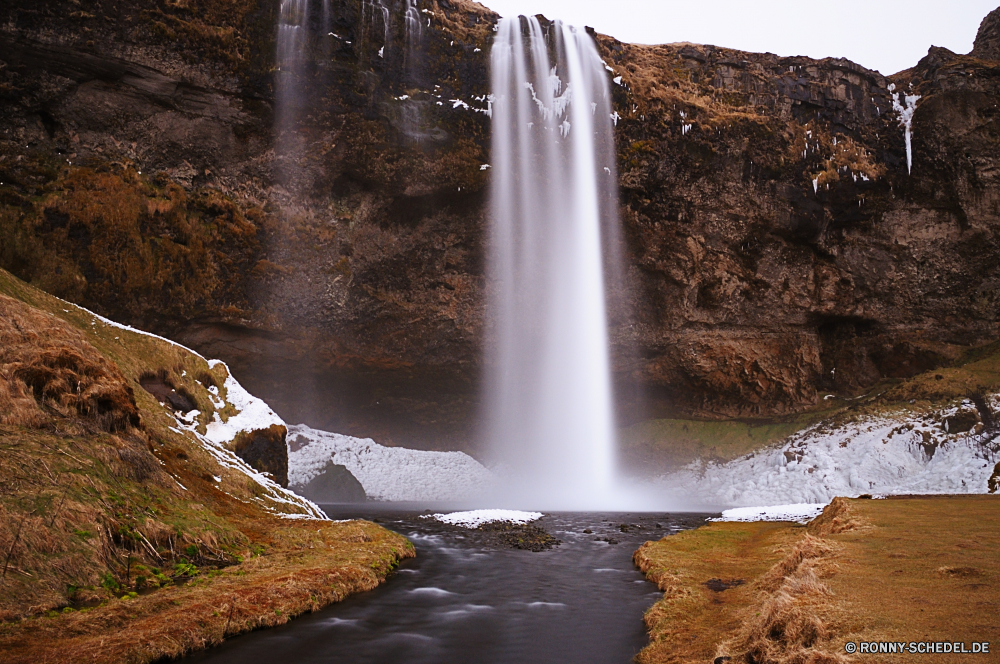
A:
x,y
302,568
907,569
143,507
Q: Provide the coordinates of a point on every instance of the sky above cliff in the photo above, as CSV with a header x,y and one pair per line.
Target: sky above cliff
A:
x,y
887,35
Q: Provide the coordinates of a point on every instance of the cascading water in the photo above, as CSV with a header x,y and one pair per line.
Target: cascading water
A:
x,y
413,27
550,415
371,9
412,111
293,45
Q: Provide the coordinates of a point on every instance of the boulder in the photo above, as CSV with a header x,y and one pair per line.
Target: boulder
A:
x,y
265,450
335,484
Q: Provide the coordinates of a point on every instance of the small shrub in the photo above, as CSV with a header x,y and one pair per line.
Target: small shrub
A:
x,y
108,582
185,569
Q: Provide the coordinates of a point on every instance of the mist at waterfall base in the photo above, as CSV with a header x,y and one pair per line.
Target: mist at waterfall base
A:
x,y
549,418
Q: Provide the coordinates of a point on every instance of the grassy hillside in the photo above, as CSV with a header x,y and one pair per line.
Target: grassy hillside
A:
x,y
124,535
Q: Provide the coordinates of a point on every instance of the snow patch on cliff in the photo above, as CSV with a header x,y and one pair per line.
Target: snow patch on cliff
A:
x,y
386,473
252,413
874,455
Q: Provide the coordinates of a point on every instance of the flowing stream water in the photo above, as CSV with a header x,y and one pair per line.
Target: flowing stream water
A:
x,y
549,399
464,600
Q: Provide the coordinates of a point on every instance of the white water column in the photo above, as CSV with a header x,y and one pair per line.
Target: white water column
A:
x,y
549,399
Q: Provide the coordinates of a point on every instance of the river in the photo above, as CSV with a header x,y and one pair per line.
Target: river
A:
x,y
463,599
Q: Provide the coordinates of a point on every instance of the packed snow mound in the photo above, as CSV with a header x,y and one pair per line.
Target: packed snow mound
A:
x,y
476,518
883,455
386,473
800,513
252,413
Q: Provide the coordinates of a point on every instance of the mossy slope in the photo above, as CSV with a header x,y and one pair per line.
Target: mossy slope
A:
x,y
124,537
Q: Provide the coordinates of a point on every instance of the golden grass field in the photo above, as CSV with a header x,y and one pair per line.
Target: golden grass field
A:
x,y
913,569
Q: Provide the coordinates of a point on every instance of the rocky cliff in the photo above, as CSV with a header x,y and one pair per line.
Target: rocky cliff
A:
x,y
778,246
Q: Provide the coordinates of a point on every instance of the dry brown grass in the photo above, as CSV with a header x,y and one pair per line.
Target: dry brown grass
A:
x,y
109,237
791,618
117,542
914,569
48,369
690,620
324,563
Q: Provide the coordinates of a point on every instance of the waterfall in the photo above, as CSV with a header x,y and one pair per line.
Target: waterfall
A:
x,y
414,30
292,56
377,8
554,194
412,111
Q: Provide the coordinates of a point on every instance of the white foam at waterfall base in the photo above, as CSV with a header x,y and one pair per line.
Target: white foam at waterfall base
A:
x,y
386,473
906,454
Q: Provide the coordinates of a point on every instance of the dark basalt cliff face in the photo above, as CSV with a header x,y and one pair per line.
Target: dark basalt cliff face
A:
x,y
777,248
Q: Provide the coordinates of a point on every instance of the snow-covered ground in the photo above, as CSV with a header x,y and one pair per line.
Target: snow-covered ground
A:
x,y
801,513
387,473
875,455
252,414
476,518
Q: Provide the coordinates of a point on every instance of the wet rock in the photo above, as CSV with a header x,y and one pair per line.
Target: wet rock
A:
x,y
264,450
960,422
162,386
987,44
335,484
518,536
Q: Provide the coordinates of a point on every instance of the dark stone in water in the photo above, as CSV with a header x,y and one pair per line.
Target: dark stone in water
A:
x,y
588,531
335,484
518,536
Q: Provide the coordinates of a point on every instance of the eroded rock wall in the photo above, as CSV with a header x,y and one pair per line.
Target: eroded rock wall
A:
x,y
776,246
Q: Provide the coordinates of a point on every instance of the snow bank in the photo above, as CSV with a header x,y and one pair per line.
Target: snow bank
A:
x,y
387,473
801,513
252,413
905,455
476,518
275,493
